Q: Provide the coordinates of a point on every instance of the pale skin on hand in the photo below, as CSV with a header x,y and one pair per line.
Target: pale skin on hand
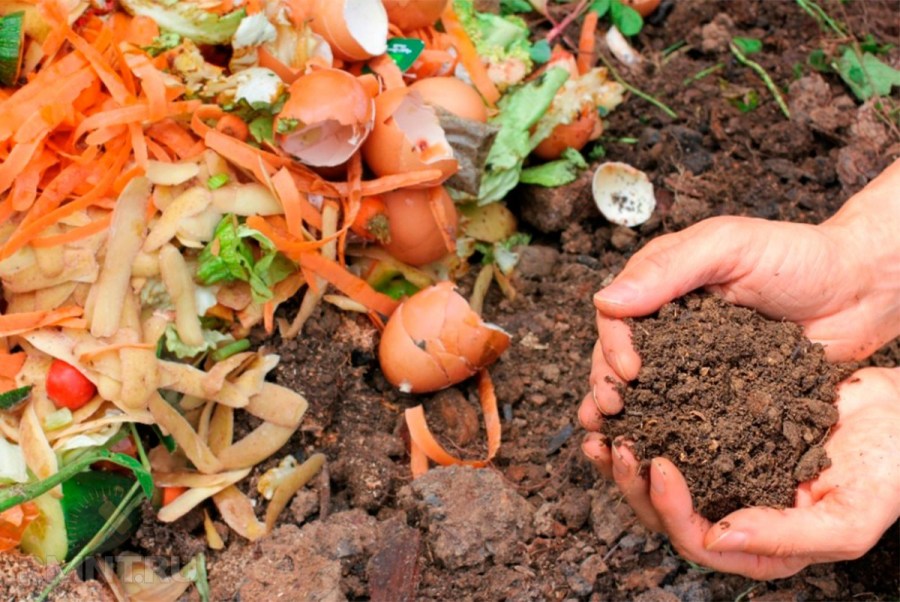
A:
x,y
841,282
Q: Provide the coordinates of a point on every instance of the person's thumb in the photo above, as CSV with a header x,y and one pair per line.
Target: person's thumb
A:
x,y
668,267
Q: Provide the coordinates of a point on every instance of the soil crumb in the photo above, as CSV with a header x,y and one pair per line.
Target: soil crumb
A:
x,y
742,404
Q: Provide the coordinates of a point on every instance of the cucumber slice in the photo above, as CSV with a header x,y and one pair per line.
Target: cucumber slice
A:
x,y
89,499
12,38
45,538
66,525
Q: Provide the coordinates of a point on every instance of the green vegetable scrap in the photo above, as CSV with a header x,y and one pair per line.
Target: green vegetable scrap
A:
x,y
188,19
260,118
229,257
502,41
868,76
164,41
11,399
627,20
520,110
12,36
555,173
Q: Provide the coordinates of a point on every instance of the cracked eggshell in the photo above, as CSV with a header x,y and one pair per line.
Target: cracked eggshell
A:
x,y
414,14
326,133
415,236
407,136
356,30
623,194
434,340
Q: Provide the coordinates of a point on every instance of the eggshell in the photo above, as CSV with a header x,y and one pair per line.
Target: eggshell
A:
x,y
355,29
623,194
415,237
414,14
566,135
644,7
453,95
434,340
407,136
328,133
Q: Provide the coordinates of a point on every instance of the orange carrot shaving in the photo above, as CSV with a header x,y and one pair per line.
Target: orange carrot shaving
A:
x,y
269,316
270,61
289,246
13,523
297,208
258,162
421,436
132,114
153,85
469,57
232,125
205,112
11,363
171,135
418,461
16,163
74,234
389,183
12,324
587,43
354,287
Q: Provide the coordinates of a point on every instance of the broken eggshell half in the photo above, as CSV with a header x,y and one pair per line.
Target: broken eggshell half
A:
x,y
414,14
434,340
355,29
407,137
325,134
624,195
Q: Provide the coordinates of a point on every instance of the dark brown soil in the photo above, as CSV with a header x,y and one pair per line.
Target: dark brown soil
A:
x,y
740,403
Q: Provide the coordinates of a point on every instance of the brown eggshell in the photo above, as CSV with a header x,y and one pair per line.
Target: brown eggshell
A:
x,y
570,135
414,14
415,237
328,133
453,95
414,352
407,136
355,29
644,7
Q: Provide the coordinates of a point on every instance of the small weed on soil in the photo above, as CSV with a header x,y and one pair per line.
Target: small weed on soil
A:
x,y
740,403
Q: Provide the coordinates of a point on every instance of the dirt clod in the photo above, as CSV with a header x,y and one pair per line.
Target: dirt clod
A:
x,y
740,403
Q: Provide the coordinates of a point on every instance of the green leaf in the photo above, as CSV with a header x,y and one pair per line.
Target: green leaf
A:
x,y
601,7
628,21
398,288
747,45
747,102
260,128
540,52
217,181
818,60
870,44
195,570
11,399
555,173
16,494
866,78
164,41
511,7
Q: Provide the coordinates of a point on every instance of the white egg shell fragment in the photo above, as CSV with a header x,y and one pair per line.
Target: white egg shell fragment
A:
x,y
623,194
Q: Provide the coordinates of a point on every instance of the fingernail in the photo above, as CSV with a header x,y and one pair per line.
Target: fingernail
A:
x,y
621,466
657,478
615,361
729,541
617,293
595,393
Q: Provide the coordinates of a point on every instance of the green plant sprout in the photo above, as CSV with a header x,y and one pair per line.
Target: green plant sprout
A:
x,y
740,47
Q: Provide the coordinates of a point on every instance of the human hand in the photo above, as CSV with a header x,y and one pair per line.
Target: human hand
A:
x,y
840,281
837,516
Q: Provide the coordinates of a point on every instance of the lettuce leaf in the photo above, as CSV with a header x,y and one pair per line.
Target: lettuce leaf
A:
x,y
229,256
555,173
520,110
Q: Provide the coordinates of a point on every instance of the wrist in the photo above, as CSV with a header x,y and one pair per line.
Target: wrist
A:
x,y
867,231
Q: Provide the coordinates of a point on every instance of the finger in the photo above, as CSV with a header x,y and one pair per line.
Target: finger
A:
x,y
596,448
635,487
618,350
672,265
816,531
605,383
589,414
687,529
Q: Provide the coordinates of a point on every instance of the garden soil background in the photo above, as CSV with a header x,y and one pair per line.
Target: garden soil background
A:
x,y
539,524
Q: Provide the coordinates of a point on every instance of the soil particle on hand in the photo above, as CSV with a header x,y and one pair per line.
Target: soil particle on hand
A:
x,y
470,515
740,403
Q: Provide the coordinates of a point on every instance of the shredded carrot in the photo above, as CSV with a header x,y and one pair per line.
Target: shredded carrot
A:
x,y
11,363
153,85
12,324
270,61
232,125
421,436
469,57
587,43
354,287
74,234
390,183
16,163
297,208
258,162
418,461
269,316
132,114
174,137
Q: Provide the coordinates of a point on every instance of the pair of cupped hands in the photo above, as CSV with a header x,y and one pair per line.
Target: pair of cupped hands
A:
x,y
840,281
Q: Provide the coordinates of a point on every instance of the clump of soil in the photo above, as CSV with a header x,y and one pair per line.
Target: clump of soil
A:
x,y
740,403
